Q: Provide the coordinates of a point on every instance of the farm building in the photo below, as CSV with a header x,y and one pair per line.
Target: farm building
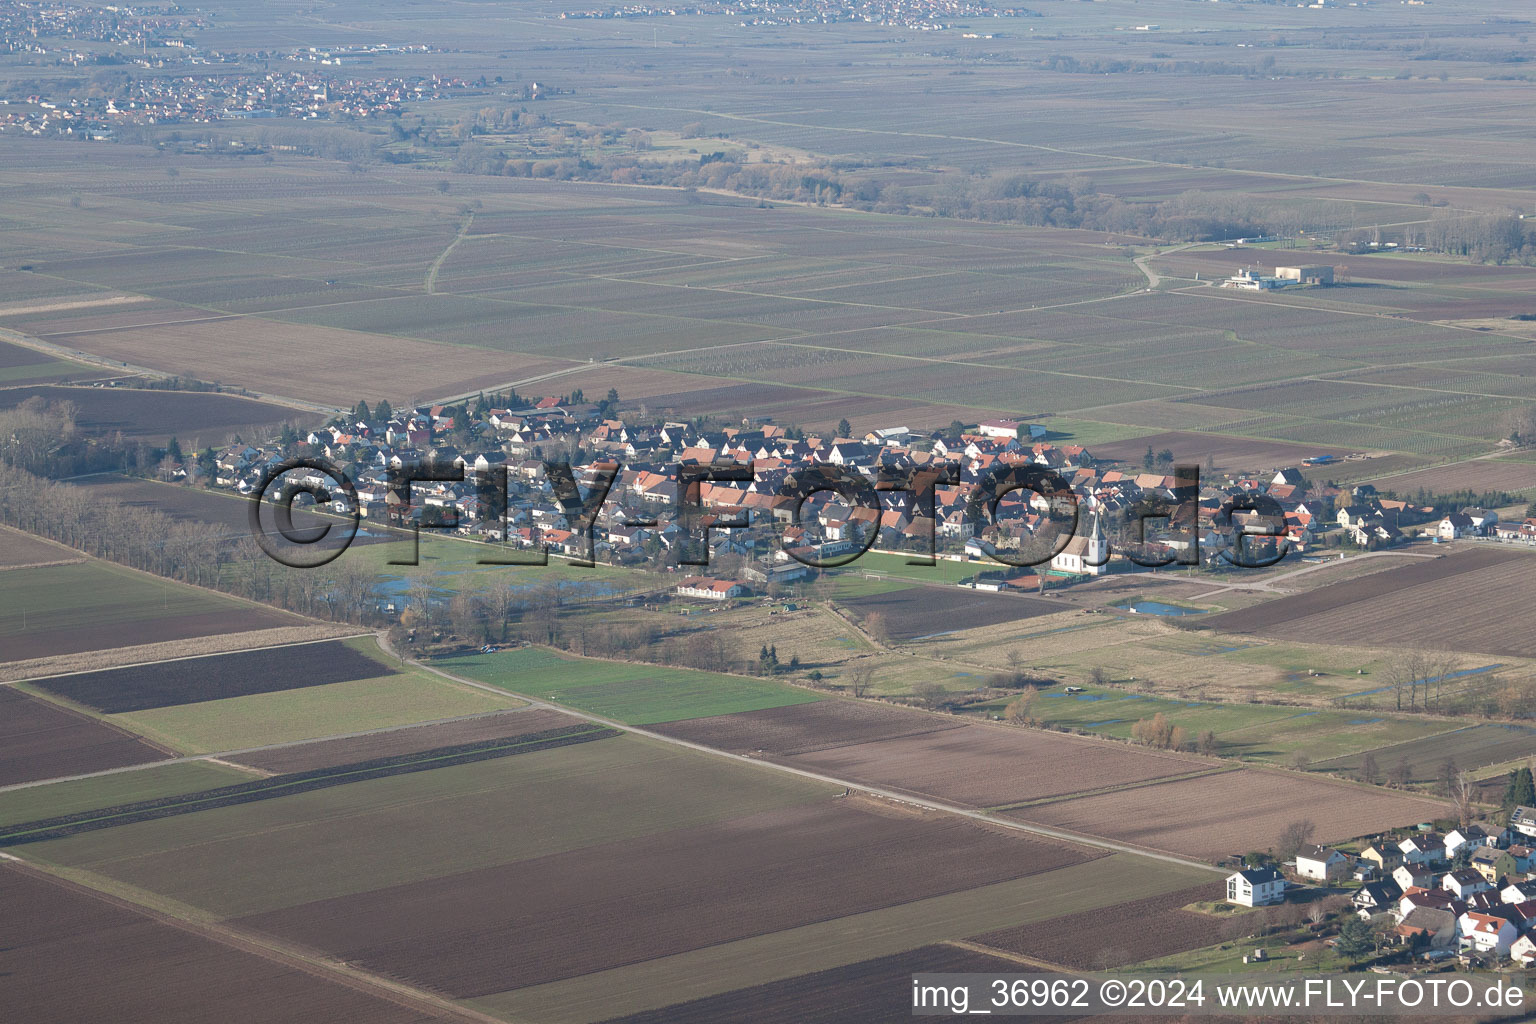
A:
x,y
1255,887
1008,429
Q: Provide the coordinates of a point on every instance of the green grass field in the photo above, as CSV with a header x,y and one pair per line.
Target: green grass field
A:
x,y
80,595
61,798
285,851
310,713
634,694
40,371
942,571
1260,732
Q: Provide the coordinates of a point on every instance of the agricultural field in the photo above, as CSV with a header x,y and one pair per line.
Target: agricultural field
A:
x,y
1434,602
273,787
803,728
799,952
1477,476
1261,732
1230,454
494,725
72,955
30,803
219,677
517,925
196,419
91,604
1230,812
20,365
994,766
631,693
375,696
802,314
40,740
1128,932
454,868
877,989
918,613
19,550
277,853
1469,747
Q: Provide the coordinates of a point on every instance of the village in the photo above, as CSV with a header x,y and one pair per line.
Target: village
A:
x,y
1467,894
749,526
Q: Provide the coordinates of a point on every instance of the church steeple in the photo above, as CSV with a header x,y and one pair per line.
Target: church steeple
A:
x,y
1097,553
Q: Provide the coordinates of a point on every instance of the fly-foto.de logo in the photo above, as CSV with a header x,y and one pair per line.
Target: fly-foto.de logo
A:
x,y
1016,514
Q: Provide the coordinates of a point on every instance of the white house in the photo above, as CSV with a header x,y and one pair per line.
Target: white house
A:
x,y
1472,835
1424,849
1523,820
1321,863
1455,525
1484,933
1523,949
1413,876
1256,887
1518,892
1464,883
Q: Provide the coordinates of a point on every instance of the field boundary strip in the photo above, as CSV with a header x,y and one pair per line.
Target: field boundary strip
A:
x,y
244,751
300,782
1202,773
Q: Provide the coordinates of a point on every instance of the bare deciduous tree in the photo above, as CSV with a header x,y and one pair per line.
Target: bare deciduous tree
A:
x,y
1294,836
861,676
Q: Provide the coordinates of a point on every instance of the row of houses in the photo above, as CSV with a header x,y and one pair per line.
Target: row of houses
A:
x,y
1470,891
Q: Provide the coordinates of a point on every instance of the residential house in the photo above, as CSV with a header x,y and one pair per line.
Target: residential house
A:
x,y
1375,898
1483,520
1487,934
1523,949
1321,863
1523,820
1455,526
1427,848
1493,864
1385,856
1413,876
1460,838
1464,882
1256,887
